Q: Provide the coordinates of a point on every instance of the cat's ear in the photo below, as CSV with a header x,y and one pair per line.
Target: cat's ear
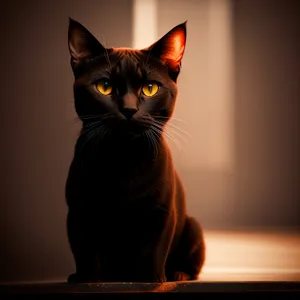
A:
x,y
170,48
82,44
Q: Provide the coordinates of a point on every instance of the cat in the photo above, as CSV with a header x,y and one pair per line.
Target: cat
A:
x,y
127,218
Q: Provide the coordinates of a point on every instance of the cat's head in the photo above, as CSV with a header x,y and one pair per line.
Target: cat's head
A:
x,y
127,90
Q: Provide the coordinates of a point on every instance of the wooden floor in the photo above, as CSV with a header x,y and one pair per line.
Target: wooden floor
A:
x,y
236,261
252,256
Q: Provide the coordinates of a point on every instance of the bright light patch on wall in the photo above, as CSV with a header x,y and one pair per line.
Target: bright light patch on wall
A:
x,y
220,83
144,23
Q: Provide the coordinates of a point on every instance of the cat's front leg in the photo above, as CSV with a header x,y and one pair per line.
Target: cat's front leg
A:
x,y
81,240
87,269
151,267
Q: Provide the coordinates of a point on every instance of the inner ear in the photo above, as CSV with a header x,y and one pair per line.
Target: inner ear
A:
x,y
82,44
170,48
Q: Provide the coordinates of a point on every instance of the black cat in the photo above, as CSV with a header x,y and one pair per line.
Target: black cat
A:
x,y
127,217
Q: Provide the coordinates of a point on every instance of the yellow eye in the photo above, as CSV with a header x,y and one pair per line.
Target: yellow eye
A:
x,y
150,89
104,86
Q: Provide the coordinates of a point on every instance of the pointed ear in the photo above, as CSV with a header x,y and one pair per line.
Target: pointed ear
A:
x,y
170,48
82,44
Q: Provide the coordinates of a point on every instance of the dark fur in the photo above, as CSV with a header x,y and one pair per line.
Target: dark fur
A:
x,y
127,217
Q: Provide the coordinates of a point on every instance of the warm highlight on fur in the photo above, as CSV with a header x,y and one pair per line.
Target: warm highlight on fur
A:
x,y
127,217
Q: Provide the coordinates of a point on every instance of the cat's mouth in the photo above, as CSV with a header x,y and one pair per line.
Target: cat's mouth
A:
x,y
132,129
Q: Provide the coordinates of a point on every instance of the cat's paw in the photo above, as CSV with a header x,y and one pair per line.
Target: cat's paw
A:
x,y
73,278
158,278
150,278
161,279
181,276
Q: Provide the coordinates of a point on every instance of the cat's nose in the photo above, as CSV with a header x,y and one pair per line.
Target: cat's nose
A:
x,y
129,112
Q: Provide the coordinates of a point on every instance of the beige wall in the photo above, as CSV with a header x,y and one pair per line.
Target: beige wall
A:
x,y
267,105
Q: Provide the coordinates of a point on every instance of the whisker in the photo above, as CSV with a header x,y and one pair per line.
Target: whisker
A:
x,y
171,137
170,119
175,127
95,116
101,132
150,143
145,134
90,126
173,132
90,135
175,141
73,121
90,117
106,133
152,135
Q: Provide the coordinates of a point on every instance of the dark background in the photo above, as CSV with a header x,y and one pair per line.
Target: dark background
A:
x,y
37,134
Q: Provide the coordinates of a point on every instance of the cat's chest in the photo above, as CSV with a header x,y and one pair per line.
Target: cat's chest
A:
x,y
114,169
116,175
132,215
114,172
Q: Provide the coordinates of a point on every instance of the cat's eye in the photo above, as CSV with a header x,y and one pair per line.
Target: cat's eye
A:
x,y
104,87
150,89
